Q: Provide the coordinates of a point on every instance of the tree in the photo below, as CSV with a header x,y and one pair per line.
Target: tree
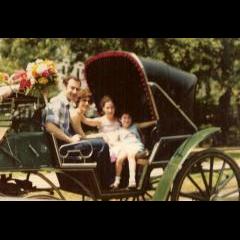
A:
x,y
16,53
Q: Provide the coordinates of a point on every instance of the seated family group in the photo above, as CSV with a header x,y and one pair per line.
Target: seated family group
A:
x,y
116,142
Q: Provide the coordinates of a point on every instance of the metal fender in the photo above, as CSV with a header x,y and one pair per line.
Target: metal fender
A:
x,y
177,161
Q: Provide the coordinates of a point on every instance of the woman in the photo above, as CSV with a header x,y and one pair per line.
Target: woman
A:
x,y
108,124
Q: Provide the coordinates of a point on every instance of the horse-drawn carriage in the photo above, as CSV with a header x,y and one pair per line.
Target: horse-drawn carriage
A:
x,y
152,92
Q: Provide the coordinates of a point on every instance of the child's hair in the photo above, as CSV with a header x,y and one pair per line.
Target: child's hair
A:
x,y
127,113
105,100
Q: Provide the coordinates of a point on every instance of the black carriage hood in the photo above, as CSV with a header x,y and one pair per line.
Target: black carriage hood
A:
x,y
121,76
178,84
125,77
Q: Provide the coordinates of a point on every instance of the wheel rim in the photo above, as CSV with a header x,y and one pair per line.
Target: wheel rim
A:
x,y
208,176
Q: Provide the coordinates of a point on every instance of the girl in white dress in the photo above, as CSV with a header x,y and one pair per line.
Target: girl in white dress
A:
x,y
127,148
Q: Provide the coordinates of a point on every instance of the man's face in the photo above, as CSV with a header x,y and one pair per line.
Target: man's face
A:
x,y
72,90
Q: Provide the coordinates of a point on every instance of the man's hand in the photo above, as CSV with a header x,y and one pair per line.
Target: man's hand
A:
x,y
75,139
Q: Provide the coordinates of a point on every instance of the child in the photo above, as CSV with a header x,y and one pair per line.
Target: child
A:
x,y
127,148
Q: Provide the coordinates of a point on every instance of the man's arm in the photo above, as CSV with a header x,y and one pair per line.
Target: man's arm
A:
x,y
57,132
60,135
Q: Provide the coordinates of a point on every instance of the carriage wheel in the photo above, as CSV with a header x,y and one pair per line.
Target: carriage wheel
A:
x,y
87,195
153,182
208,176
51,193
42,197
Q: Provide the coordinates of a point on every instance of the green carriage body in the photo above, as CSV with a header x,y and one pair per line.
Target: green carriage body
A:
x,y
26,151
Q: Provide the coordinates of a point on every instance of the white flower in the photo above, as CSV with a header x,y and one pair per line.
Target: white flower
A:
x,y
38,61
30,67
42,68
32,80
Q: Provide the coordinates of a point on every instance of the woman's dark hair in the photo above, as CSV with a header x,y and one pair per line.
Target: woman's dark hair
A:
x,y
66,80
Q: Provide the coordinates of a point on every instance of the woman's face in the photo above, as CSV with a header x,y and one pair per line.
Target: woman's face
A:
x,y
109,109
84,104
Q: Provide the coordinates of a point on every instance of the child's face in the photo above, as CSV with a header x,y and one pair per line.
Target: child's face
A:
x,y
126,120
109,109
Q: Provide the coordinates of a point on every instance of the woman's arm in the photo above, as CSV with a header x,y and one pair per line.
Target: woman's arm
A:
x,y
95,122
76,124
94,135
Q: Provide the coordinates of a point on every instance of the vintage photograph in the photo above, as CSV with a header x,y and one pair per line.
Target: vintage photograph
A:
x,y
119,119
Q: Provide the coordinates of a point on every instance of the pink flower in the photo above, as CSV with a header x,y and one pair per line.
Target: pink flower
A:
x,y
18,76
24,84
46,74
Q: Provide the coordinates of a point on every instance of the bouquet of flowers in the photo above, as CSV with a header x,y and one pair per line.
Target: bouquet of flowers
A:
x,y
39,76
4,77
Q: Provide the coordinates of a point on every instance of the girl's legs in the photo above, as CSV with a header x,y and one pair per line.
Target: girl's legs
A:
x,y
132,169
119,163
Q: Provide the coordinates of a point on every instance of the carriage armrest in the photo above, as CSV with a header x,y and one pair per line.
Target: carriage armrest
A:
x,y
66,152
142,157
79,160
143,154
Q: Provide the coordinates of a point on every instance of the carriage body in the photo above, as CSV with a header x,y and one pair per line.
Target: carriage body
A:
x,y
153,92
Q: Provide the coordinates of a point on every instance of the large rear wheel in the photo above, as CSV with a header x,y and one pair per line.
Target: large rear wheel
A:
x,y
208,176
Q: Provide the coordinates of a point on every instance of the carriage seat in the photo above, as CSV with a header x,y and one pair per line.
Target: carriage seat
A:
x,y
142,157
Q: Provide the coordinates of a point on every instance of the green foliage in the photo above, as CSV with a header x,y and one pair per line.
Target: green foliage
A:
x,y
215,61
16,53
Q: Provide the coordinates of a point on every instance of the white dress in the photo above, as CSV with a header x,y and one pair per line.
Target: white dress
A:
x,y
129,142
110,129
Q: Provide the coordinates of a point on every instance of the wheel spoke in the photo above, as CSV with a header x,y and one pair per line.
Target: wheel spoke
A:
x,y
42,176
144,199
193,195
148,194
196,185
204,179
230,193
211,175
224,183
219,177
